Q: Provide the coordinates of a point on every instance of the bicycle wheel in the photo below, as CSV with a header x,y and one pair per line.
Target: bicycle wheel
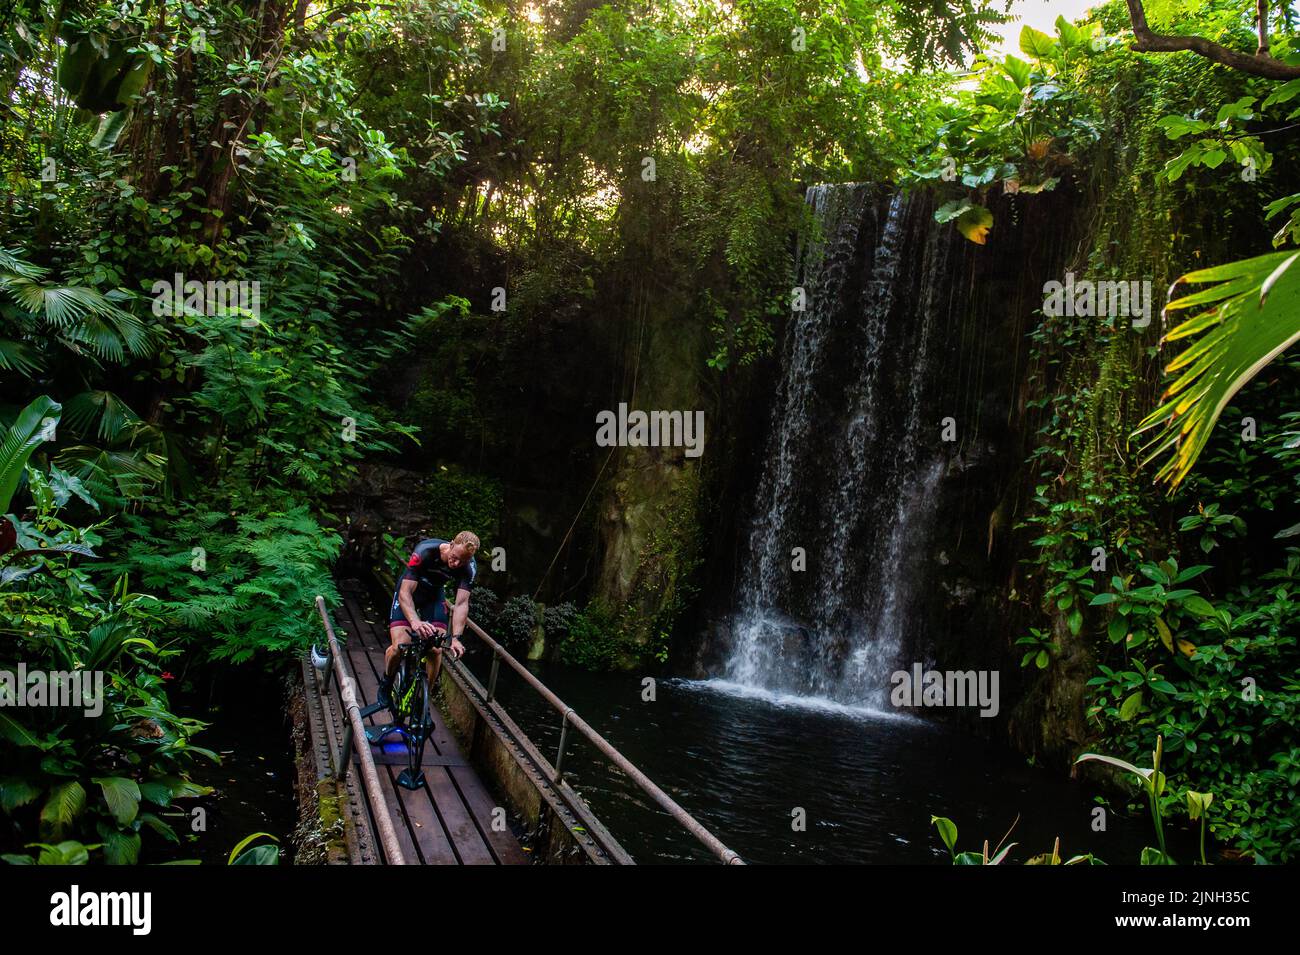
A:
x,y
419,723
414,718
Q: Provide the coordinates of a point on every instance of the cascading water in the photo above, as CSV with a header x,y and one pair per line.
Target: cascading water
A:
x,y
852,462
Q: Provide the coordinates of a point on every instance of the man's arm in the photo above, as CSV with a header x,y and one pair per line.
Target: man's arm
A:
x,y
406,601
459,619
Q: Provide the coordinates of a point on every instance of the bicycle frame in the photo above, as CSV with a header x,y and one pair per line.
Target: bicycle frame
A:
x,y
411,692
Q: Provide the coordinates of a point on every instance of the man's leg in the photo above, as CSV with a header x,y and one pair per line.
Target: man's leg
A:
x,y
433,662
397,637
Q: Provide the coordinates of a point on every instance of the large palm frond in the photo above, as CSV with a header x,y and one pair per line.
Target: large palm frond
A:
x,y
81,316
1249,316
113,475
11,261
100,411
18,356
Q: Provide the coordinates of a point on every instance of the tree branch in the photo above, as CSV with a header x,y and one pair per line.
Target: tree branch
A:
x,y
1260,64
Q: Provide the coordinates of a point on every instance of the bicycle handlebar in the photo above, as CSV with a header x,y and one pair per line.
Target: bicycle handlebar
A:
x,y
439,641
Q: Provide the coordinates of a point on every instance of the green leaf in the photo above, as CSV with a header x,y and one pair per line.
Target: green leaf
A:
x,y
1187,573
1017,69
1070,34
158,826
1143,774
65,486
121,848
1190,156
1117,629
1282,94
66,801
1176,127
15,732
975,223
1155,857
102,412
947,831
1036,43
110,128
951,210
1240,109
33,427
1075,621
1129,708
1166,635
1213,158
997,859
259,855
122,796
158,793
1198,803
68,852
1047,185
16,791
236,858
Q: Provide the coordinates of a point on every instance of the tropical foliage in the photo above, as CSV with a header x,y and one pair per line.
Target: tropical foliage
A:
x,y
232,232
1171,612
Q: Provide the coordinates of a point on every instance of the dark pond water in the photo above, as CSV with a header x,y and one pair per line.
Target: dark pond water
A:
x,y
253,785
742,763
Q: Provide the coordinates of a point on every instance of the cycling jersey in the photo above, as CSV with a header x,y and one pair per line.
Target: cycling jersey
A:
x,y
431,574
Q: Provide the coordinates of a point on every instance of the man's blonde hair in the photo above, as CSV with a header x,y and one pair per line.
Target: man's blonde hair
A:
x,y
467,540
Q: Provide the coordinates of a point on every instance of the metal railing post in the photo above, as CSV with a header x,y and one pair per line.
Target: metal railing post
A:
x,y
345,761
492,677
564,739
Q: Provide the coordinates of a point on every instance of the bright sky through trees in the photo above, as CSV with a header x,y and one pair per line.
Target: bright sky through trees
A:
x,y
1039,14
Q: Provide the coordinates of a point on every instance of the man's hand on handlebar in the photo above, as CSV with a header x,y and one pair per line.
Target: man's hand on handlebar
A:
x,y
456,648
424,629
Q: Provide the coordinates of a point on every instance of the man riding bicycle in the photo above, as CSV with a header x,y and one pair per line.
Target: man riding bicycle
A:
x,y
420,605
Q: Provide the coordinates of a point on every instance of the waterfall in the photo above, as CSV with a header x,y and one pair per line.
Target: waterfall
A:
x,y
853,458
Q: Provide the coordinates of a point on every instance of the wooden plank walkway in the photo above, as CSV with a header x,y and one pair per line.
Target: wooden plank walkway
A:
x,y
448,821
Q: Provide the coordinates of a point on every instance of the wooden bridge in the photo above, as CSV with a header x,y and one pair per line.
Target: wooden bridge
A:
x,y
449,820
480,771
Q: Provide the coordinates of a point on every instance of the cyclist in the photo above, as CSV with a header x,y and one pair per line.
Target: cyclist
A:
x,y
420,605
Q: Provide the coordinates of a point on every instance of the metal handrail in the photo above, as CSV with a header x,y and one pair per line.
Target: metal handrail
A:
x,y
355,728
568,717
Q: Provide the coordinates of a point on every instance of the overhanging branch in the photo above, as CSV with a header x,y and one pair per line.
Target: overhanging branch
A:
x,y
1258,64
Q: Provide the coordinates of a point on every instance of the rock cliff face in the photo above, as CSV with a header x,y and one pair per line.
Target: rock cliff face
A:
x,y
648,520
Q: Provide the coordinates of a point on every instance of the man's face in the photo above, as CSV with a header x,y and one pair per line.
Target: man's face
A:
x,y
457,556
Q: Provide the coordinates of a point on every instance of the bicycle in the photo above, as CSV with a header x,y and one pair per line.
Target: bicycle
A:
x,y
410,704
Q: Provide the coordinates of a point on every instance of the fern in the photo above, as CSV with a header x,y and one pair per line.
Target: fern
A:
x,y
252,593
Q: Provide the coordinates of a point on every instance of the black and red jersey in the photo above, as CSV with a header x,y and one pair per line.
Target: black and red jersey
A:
x,y
426,567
